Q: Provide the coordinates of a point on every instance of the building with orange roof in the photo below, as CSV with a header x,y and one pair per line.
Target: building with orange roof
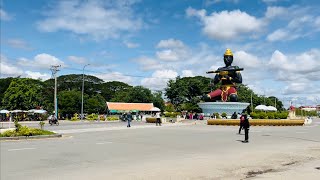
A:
x,y
120,106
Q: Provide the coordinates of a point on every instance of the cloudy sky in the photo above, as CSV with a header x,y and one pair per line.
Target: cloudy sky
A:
x,y
146,42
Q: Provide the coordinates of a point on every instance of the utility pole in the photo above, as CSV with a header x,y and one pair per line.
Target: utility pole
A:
x,y
54,70
251,103
82,91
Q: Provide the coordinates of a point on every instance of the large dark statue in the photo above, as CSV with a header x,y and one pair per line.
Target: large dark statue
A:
x,y
228,76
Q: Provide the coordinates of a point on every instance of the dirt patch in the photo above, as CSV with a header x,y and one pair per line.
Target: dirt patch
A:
x,y
251,174
317,168
290,163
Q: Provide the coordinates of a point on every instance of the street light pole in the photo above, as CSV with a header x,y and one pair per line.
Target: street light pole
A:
x,y
82,91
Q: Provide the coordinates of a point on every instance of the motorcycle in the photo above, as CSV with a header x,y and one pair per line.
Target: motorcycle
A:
x,y
53,121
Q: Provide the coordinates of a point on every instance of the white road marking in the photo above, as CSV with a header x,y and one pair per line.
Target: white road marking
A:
x,y
104,143
21,149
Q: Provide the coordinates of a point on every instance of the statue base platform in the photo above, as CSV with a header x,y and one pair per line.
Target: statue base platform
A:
x,y
208,108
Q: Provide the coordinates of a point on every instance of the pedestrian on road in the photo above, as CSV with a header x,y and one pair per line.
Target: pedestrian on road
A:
x,y
241,123
246,126
129,118
158,119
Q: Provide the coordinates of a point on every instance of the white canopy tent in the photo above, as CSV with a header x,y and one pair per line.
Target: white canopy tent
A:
x,y
155,109
261,107
265,108
38,111
271,108
4,111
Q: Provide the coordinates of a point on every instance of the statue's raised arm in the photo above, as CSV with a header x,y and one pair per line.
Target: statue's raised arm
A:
x,y
229,76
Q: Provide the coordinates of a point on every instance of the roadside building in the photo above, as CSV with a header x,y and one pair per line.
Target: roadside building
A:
x,y
119,107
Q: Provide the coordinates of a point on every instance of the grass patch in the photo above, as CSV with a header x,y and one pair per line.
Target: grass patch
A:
x,y
25,131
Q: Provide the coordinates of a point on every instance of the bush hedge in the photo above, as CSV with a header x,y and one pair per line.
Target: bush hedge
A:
x,y
151,120
112,118
260,122
269,115
172,114
92,117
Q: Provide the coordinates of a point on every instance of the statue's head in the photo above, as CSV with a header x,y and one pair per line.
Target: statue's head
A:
x,y
228,57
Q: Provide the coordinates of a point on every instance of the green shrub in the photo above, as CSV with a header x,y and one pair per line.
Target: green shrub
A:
x,y
92,117
112,118
172,114
75,117
25,131
254,115
41,124
224,115
217,115
17,125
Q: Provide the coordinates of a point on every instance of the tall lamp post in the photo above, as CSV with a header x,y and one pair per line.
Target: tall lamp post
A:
x,y
82,91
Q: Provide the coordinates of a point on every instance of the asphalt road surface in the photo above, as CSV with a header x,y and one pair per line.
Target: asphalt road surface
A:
x,y
172,151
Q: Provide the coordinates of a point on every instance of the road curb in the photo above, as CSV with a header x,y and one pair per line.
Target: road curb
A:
x,y
31,137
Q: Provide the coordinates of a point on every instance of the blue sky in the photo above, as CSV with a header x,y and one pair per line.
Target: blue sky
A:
x,y
146,42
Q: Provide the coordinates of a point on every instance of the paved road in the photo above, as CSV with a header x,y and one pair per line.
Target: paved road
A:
x,y
184,151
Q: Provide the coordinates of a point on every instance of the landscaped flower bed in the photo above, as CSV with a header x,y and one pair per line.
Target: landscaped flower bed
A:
x,y
25,131
257,122
151,120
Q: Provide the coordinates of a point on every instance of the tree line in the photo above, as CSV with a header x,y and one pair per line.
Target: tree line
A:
x,y
180,94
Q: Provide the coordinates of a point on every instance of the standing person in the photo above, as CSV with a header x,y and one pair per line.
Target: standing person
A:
x,y
129,118
241,123
246,126
158,119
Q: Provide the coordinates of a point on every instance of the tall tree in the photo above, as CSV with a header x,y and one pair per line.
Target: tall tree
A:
x,y
4,84
23,93
109,89
69,102
95,104
158,100
187,90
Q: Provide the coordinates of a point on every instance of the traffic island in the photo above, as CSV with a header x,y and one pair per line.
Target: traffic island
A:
x,y
31,137
24,132
257,122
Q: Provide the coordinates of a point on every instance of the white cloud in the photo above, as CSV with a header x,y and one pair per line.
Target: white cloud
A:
x,y
147,63
226,25
19,43
276,11
131,45
296,88
300,72
37,75
167,55
301,22
97,19
170,43
159,79
187,73
306,62
115,76
246,60
78,60
43,60
8,69
4,16
172,50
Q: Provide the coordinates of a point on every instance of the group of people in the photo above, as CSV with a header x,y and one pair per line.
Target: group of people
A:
x,y
195,116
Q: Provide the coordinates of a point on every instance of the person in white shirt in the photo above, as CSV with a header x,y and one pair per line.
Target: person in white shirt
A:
x,y
158,119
